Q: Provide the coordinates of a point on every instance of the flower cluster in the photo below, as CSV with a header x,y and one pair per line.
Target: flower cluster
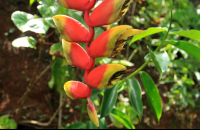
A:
x,y
108,44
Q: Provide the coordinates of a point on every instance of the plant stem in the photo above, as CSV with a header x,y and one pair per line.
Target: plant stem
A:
x,y
144,65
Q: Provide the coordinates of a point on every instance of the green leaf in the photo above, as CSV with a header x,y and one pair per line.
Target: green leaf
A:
x,y
193,34
59,73
49,21
122,118
20,19
56,50
135,95
31,2
98,31
24,42
78,125
152,94
103,124
162,58
90,125
109,100
155,61
45,10
187,47
148,32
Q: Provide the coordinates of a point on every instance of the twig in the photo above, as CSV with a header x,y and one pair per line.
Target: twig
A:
x,y
29,90
134,7
40,123
60,111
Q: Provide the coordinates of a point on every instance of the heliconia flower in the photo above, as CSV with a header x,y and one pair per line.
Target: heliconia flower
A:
x,y
71,29
92,113
75,54
77,90
105,76
108,12
111,42
74,4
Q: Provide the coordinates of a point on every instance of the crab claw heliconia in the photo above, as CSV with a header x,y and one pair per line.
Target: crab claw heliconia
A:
x,y
108,12
68,27
92,113
105,76
80,5
77,90
75,54
111,42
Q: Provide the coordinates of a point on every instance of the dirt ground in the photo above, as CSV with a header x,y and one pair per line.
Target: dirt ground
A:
x,y
16,71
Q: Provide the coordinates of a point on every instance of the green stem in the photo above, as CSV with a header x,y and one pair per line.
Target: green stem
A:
x,y
144,65
84,102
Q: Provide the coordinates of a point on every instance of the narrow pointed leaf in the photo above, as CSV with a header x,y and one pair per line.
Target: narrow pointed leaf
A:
x,y
193,34
188,47
135,95
122,118
148,32
152,94
155,60
109,100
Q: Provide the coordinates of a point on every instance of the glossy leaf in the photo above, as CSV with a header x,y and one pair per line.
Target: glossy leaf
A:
x,y
122,118
148,32
109,100
56,50
135,95
188,47
78,125
193,34
24,42
152,94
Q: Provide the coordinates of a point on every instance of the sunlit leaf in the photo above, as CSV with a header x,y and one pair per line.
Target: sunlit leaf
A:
x,y
152,94
31,2
193,34
24,42
122,118
20,19
148,32
187,47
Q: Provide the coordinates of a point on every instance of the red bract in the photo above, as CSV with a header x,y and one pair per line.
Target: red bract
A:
x,y
108,12
80,5
103,77
76,90
108,44
111,42
75,55
68,27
